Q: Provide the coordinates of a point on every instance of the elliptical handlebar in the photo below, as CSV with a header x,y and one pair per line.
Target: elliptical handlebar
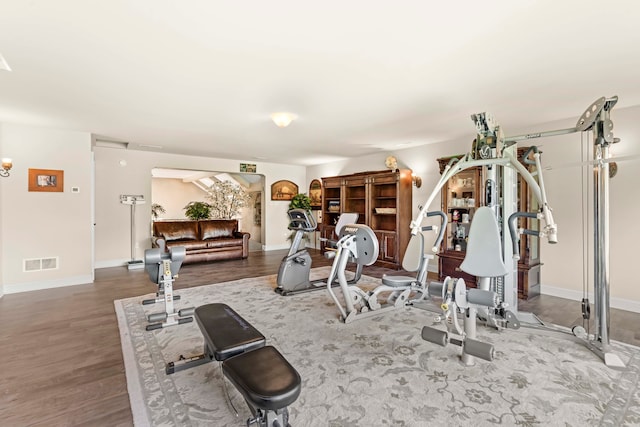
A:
x,y
301,219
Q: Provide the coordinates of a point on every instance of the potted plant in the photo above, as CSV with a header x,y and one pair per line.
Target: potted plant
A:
x,y
197,210
300,201
227,200
156,210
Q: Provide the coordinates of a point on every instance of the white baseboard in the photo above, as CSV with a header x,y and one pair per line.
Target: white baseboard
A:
x,y
275,247
112,263
619,303
13,288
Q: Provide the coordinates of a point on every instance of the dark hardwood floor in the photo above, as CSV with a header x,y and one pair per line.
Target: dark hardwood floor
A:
x,y
61,356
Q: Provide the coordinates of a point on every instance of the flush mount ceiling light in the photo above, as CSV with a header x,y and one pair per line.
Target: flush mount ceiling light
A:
x,y
283,119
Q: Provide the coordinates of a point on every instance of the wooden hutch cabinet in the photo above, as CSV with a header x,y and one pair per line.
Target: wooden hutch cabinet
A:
x,y
461,196
383,202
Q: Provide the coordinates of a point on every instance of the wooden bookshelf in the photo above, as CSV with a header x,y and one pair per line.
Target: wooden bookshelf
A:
x,y
382,200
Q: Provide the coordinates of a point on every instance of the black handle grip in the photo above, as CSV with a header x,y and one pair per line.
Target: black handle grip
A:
x,y
525,157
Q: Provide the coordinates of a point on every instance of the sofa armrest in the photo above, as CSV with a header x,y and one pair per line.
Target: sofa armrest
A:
x,y
245,241
158,242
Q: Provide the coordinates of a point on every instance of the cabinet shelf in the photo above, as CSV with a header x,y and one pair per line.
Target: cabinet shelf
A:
x,y
364,193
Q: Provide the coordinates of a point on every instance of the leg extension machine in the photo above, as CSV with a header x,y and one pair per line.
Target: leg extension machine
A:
x,y
484,260
162,268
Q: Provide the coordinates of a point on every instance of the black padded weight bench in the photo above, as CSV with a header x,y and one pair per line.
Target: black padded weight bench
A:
x,y
260,373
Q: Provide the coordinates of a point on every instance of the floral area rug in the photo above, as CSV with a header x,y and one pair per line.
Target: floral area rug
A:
x,y
373,372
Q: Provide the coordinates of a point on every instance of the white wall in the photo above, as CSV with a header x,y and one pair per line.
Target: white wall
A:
x,y
249,225
174,195
563,264
2,154
113,245
41,225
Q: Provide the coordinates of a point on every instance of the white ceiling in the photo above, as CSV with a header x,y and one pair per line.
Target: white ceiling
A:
x,y
201,77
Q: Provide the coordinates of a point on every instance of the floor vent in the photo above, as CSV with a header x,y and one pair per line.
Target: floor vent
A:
x,y
39,264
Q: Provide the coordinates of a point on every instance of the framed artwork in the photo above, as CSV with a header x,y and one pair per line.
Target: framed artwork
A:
x,y
315,194
248,167
46,180
283,190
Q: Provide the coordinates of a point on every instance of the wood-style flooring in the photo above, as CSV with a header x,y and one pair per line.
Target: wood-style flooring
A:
x,y
61,360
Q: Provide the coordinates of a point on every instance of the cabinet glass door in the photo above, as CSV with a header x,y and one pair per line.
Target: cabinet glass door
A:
x,y
461,201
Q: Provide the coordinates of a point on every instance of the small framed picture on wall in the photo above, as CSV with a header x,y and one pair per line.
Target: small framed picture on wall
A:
x,y
46,180
315,194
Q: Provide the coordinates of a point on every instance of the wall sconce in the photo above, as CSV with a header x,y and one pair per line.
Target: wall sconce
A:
x,y
6,166
417,181
283,119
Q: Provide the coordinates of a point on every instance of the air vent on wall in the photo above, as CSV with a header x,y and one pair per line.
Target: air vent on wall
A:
x,y
111,144
39,264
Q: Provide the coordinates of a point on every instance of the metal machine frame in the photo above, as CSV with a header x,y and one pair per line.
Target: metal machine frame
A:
x,y
493,149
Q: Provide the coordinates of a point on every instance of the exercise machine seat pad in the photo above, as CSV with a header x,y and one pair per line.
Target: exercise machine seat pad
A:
x,y
226,334
412,261
484,248
264,377
154,257
344,219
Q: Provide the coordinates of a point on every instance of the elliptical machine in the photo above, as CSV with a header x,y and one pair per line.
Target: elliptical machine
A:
x,y
294,271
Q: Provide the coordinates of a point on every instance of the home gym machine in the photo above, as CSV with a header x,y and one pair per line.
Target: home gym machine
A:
x,y
492,149
295,268
359,244
162,268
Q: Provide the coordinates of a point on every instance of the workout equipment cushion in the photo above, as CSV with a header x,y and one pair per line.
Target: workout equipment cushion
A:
x,y
176,230
225,333
213,229
264,377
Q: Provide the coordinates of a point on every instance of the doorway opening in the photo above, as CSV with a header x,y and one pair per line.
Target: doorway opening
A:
x,y
173,189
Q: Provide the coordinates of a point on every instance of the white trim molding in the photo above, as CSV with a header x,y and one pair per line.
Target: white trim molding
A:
x,y
619,303
13,288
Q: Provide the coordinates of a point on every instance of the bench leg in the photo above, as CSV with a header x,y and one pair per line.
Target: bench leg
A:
x,y
184,363
187,363
267,418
